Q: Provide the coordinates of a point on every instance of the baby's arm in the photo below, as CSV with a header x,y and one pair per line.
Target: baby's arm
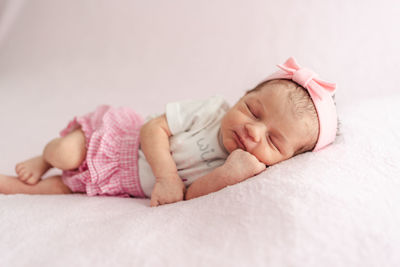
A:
x,y
154,142
239,166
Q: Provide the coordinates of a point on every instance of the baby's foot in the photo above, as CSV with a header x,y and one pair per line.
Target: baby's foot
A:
x,y
31,171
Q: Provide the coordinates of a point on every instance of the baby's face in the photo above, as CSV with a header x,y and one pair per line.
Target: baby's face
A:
x,y
264,124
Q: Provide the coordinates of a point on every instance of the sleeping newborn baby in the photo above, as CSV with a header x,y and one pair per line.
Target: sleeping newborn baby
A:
x,y
195,148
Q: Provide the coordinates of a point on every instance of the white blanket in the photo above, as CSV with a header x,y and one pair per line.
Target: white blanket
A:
x,y
337,207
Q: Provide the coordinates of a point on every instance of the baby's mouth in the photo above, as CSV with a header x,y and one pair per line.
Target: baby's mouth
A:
x,y
239,140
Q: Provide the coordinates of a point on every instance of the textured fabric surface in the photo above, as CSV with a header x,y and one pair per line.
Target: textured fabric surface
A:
x,y
111,164
336,207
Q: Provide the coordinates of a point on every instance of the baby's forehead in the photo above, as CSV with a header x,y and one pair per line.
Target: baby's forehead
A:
x,y
270,94
291,94
273,87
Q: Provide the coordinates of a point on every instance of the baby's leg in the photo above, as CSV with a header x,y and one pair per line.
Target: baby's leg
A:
x,y
51,185
65,153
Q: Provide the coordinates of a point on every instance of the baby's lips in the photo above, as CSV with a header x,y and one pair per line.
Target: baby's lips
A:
x,y
245,139
239,143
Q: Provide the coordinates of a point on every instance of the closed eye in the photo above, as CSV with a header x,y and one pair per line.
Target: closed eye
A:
x,y
273,143
252,112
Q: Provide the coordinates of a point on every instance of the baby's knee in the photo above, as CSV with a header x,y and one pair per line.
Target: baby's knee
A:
x,y
66,153
70,155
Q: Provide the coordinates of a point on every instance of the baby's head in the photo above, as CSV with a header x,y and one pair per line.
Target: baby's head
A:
x,y
280,118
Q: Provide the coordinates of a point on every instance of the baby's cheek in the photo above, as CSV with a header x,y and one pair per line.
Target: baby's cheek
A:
x,y
263,156
254,148
230,145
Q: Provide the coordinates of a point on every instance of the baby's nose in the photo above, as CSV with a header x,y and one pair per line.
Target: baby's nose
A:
x,y
255,131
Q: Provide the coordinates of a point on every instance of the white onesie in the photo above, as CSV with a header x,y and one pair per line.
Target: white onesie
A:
x,y
195,143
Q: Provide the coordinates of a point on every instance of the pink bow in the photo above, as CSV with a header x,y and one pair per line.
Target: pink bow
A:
x,y
306,78
321,95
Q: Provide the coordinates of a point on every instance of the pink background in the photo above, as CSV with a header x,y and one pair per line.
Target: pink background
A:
x,y
63,58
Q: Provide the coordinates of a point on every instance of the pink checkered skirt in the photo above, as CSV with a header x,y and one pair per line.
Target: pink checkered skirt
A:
x,y
111,164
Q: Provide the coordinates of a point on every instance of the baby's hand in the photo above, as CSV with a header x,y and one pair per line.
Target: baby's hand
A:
x,y
167,190
241,165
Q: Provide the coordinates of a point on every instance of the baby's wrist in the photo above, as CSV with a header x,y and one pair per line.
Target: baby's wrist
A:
x,y
171,175
225,174
168,179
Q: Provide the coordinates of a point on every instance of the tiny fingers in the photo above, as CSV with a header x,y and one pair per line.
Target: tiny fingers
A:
x,y
259,166
157,202
18,168
262,167
154,202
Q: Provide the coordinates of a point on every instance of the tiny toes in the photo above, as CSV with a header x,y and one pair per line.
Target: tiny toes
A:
x,y
31,168
22,171
21,174
25,175
32,180
18,168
